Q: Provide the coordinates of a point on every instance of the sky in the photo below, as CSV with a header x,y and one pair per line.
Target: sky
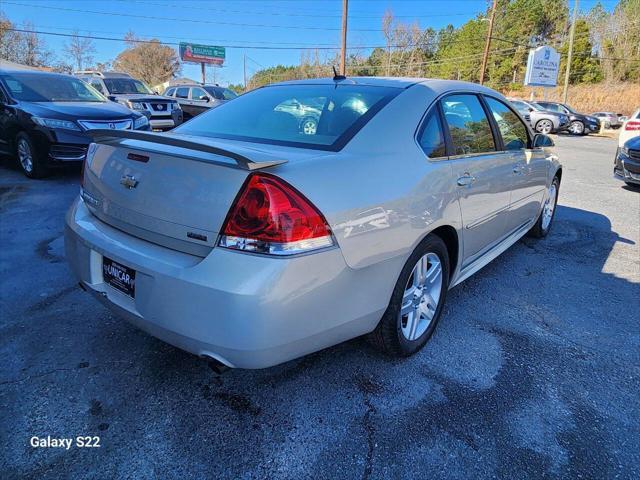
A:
x,y
290,25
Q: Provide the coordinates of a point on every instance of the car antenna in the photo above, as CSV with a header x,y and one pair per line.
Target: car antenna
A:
x,y
336,76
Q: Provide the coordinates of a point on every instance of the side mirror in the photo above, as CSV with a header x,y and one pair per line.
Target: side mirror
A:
x,y
155,92
542,141
204,98
531,109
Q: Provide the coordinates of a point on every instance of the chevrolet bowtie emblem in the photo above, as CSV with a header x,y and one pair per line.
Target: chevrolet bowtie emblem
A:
x,y
129,181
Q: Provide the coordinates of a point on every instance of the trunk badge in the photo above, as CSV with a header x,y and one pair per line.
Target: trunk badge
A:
x,y
129,181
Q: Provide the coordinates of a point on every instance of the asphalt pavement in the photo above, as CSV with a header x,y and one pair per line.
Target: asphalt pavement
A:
x,y
533,371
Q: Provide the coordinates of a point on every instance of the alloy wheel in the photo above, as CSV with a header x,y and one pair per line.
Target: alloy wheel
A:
x,y
576,127
309,127
549,206
421,296
544,126
25,156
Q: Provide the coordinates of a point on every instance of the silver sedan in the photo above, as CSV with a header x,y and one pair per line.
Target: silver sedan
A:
x,y
245,240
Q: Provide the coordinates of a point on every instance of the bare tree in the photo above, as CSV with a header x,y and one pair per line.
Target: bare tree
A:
x,y
80,50
33,50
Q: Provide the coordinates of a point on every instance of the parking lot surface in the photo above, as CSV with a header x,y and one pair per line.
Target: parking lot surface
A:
x,y
533,370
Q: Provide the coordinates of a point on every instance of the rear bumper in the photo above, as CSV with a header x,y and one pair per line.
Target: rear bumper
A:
x,y
246,311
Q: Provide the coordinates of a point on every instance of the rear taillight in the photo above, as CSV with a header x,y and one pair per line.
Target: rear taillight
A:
x,y
632,125
270,216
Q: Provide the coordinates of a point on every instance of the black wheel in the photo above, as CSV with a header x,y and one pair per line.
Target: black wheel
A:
x,y
29,158
576,127
633,185
545,220
417,301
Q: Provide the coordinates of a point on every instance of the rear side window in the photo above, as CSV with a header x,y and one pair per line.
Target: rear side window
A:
x,y
322,116
432,137
182,92
513,131
468,125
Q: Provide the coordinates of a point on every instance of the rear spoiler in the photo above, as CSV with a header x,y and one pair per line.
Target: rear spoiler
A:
x,y
107,136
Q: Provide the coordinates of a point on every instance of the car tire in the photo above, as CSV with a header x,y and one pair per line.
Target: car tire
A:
x,y
545,220
309,126
29,159
577,128
544,126
402,334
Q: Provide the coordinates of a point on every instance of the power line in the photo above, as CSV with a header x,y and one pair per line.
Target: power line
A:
x,y
189,20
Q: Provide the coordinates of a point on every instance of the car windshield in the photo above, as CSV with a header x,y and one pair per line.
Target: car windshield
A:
x,y
124,86
314,116
39,87
571,110
224,92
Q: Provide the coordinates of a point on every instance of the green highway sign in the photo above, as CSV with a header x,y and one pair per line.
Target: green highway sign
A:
x,y
191,52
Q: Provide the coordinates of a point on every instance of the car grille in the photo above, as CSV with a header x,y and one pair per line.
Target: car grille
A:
x,y
108,124
635,154
160,107
64,152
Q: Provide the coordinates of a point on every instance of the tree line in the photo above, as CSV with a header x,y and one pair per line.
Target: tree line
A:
x,y
606,47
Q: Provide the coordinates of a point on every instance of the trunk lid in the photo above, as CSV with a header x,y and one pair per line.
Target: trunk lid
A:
x,y
172,190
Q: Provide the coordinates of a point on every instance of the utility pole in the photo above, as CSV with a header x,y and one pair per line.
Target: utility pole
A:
x,y
204,77
244,69
567,73
343,52
487,44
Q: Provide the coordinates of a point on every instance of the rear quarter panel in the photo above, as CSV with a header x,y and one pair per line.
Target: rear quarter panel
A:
x,y
381,194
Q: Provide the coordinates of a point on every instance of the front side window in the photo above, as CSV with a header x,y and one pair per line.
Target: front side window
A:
x,y
432,138
169,93
551,107
198,93
124,86
468,124
513,131
317,116
38,87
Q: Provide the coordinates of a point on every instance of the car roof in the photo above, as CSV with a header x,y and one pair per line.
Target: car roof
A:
x,y
5,71
435,84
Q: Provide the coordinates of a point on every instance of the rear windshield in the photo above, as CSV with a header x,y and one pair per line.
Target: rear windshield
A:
x,y
221,93
38,87
123,86
313,116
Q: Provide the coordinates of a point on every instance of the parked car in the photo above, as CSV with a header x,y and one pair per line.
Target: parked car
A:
x,y
579,124
246,241
306,112
45,117
163,113
622,118
627,163
543,121
630,128
195,99
610,119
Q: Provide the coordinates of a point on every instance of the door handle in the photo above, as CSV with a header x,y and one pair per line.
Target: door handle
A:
x,y
466,180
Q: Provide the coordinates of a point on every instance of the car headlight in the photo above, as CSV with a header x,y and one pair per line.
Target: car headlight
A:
x,y
625,150
55,123
137,105
175,106
143,121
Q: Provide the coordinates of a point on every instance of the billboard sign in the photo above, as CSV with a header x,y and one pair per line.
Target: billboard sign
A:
x,y
542,67
191,52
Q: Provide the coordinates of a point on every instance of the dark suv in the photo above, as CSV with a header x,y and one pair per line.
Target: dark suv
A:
x,y
44,118
163,113
195,99
579,123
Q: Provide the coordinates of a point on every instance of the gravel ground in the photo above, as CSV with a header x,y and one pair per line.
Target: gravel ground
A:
x,y
533,371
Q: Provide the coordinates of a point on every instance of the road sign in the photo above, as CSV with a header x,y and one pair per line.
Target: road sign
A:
x,y
542,67
191,52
